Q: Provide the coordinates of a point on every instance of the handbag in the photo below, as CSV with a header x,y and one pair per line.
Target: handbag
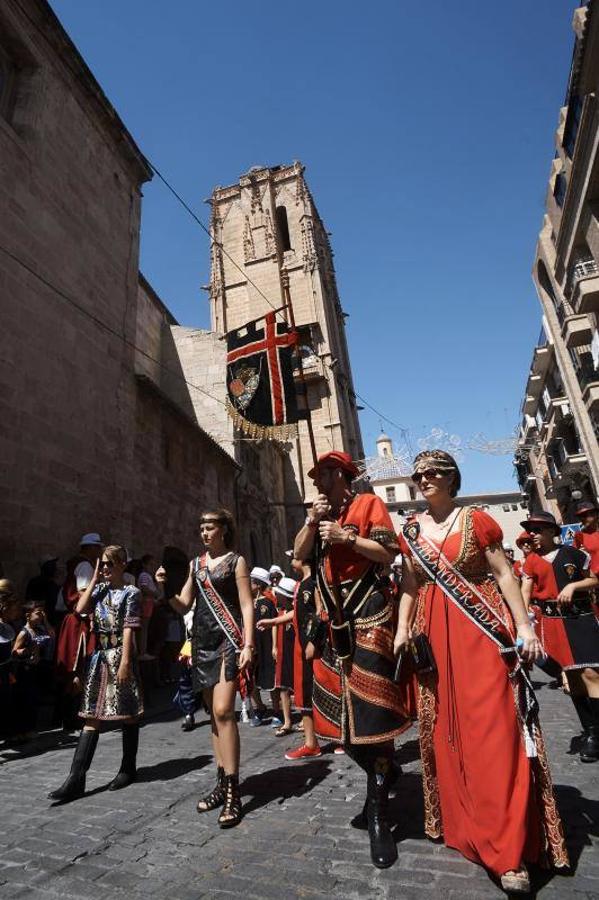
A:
x,y
422,655
421,652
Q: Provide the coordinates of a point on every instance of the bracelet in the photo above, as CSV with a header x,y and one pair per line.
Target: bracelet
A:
x,y
248,647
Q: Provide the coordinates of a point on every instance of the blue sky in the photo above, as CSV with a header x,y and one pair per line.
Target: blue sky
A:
x,y
426,132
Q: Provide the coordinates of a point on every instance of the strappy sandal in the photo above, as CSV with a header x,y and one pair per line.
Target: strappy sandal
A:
x,y
216,797
283,731
231,812
516,882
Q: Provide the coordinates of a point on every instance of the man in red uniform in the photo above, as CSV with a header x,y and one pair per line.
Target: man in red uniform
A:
x,y
588,538
355,699
556,583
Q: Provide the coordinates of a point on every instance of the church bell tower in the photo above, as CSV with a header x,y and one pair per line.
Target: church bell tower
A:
x,y
271,231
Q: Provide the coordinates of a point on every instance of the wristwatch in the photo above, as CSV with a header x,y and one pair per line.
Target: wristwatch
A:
x,y
310,522
351,538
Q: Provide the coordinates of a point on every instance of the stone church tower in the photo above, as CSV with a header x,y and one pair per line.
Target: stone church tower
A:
x,y
268,224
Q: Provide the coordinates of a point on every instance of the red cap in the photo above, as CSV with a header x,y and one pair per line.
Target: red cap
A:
x,y
523,536
335,459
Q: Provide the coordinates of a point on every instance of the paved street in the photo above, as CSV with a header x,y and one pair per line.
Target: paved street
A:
x,y
295,840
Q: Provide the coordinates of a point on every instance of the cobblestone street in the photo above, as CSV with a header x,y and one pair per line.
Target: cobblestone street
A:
x,y
295,839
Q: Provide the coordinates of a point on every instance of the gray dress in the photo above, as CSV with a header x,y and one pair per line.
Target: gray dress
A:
x,y
209,645
103,697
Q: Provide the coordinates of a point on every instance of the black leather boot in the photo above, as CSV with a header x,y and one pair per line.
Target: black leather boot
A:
x,y
589,751
128,771
583,711
74,786
360,820
188,723
216,797
383,850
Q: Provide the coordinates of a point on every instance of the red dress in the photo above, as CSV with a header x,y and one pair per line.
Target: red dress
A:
x,y
482,793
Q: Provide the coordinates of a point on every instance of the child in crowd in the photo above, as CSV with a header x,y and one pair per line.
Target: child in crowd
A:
x,y
284,592
34,653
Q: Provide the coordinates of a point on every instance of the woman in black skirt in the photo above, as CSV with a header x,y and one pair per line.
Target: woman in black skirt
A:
x,y
222,649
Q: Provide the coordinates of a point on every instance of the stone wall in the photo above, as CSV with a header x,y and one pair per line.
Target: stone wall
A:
x,y
70,198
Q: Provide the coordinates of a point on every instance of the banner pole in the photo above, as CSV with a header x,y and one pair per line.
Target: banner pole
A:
x,y
289,306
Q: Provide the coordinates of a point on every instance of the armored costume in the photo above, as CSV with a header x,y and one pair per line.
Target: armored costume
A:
x,y
358,703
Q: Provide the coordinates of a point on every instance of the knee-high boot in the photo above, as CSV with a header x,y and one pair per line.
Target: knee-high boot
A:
x,y
589,752
128,770
377,762
583,711
74,786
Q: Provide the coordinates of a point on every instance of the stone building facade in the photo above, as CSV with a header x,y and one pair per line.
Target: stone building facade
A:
x,y
266,228
106,402
557,459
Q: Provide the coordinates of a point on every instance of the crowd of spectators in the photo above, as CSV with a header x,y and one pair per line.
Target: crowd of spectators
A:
x,y
36,689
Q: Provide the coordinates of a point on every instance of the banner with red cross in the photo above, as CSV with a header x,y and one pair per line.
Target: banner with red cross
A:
x,y
261,391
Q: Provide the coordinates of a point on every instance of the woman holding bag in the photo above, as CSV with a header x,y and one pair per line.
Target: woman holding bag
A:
x,y
487,787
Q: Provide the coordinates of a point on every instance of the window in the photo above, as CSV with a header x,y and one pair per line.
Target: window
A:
x,y
390,491
6,83
559,189
282,228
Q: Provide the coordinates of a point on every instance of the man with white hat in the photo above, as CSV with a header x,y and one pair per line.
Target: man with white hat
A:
x,y
74,631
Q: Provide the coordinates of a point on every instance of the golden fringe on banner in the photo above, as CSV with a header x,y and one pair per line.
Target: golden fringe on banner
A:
x,y
287,432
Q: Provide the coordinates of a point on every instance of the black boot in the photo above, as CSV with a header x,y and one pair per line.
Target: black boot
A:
x,y
360,820
583,711
383,850
128,771
74,786
216,797
589,751
188,723
231,812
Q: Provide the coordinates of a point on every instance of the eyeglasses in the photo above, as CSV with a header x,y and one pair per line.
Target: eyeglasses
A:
x,y
429,474
106,564
539,529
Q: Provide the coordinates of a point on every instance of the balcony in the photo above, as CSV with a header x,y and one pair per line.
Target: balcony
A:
x,y
541,360
583,281
311,366
530,405
534,385
576,331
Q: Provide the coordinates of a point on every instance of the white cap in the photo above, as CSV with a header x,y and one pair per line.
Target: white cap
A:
x,y
276,570
92,539
286,587
507,546
398,561
260,574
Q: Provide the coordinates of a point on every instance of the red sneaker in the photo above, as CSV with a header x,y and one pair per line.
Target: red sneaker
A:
x,y
303,752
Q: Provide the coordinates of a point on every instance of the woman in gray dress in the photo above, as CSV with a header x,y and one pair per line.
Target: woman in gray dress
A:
x,y
112,690
222,648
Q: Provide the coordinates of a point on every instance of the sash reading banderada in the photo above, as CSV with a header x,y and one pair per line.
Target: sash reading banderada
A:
x,y
224,619
478,610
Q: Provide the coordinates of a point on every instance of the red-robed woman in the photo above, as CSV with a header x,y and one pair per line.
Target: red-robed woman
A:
x,y
487,787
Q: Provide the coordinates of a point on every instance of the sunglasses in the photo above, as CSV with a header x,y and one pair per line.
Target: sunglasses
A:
x,y
429,474
539,529
106,564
